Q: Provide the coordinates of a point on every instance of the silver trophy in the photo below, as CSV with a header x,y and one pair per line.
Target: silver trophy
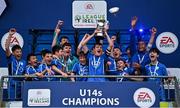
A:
x,y
101,25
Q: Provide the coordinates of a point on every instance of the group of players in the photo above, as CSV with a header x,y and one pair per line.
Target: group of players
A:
x,y
61,61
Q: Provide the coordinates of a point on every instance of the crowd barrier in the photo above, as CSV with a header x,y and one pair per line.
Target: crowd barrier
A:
x,y
63,93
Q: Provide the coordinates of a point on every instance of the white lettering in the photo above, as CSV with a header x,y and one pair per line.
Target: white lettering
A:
x,y
63,101
82,92
90,101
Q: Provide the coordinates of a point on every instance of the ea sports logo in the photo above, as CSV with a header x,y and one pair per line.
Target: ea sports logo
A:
x,y
89,6
16,39
144,97
167,42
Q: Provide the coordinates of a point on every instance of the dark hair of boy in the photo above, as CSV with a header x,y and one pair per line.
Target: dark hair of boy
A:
x,y
120,59
66,44
142,40
15,47
82,54
44,52
154,50
29,56
64,37
116,47
114,34
97,44
127,48
56,48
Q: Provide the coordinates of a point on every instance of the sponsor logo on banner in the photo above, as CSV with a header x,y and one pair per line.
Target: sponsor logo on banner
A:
x,y
2,6
89,6
86,13
167,42
39,97
144,97
15,40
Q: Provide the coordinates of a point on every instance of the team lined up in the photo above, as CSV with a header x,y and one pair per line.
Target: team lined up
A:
x,y
60,60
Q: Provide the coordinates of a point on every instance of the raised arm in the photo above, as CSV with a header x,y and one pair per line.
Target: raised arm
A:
x,y
109,40
12,31
133,49
84,47
151,41
89,37
133,22
56,33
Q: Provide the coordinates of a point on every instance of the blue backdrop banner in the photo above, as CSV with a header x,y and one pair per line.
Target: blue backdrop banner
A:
x,y
88,94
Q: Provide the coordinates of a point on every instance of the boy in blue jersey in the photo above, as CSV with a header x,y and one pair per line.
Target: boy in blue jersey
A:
x,y
16,66
141,58
122,70
111,61
46,67
155,68
97,58
32,68
115,55
57,61
81,68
